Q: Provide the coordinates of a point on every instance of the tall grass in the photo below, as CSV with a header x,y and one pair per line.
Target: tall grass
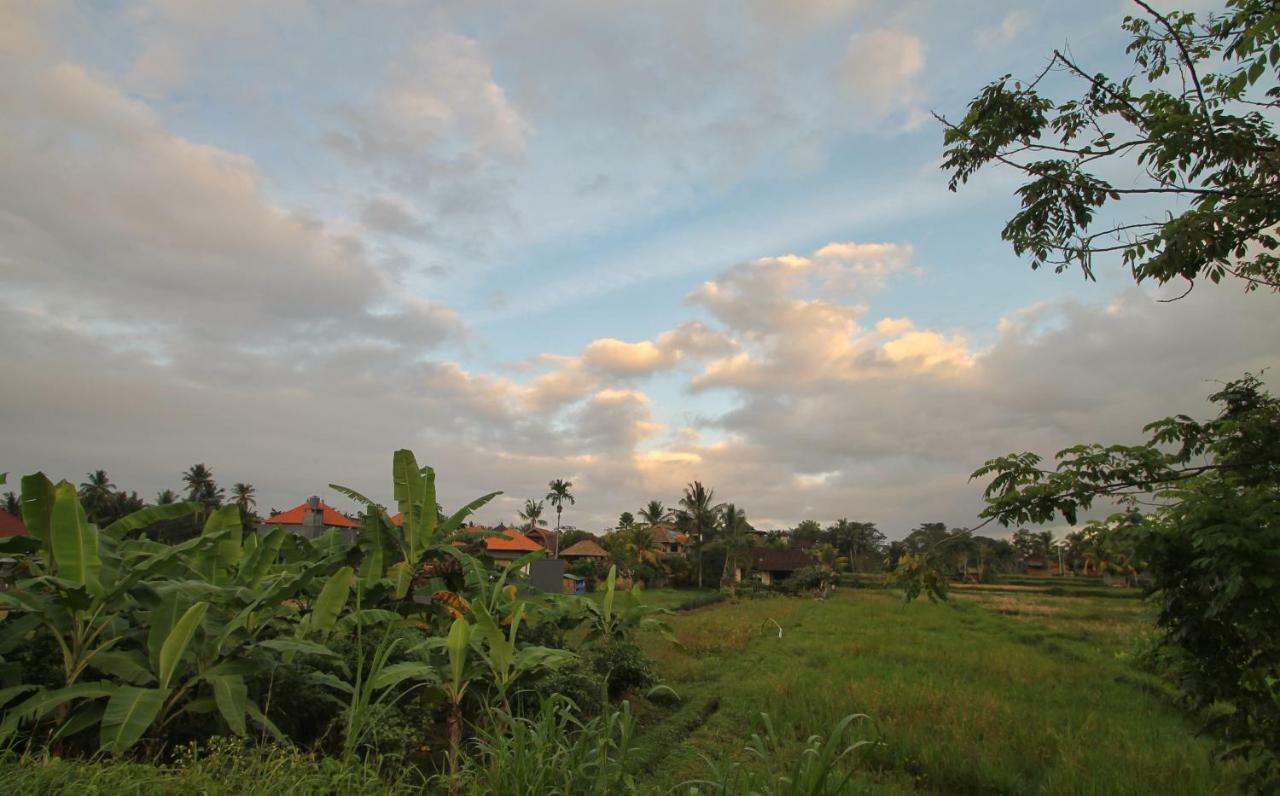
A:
x,y
550,752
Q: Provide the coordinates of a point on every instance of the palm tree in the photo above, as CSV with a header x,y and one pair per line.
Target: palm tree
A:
x,y
856,539
165,497
699,516
201,488
643,547
557,496
95,495
245,496
735,535
531,513
655,513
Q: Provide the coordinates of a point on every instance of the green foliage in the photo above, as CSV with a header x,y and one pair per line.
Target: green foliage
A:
x,y
553,751
917,574
1203,142
622,666
823,767
1211,547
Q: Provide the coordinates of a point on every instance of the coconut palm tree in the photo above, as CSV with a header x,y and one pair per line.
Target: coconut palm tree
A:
x,y
166,496
735,536
557,496
699,515
531,513
831,563
655,513
201,488
245,496
95,495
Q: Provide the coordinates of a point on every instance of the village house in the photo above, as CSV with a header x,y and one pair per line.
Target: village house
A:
x,y
672,542
769,566
587,548
311,519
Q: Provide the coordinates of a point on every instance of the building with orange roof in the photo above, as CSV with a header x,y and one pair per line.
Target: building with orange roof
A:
x,y
311,519
11,525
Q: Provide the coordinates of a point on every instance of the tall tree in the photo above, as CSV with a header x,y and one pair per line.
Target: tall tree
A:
x,y
245,496
531,513
857,540
625,521
201,488
735,538
699,514
166,496
807,532
654,513
557,495
1177,176
95,496
12,504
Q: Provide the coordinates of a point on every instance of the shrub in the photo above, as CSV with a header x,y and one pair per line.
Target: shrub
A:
x,y
622,665
578,682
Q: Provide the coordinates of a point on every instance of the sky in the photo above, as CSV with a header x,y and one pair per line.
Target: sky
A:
x,y
629,245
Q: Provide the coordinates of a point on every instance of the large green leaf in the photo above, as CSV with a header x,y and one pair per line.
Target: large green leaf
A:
x,y
409,488
73,540
258,562
37,505
359,498
456,519
332,599
130,712
161,621
176,643
228,551
267,724
401,575
231,694
298,646
373,543
14,630
43,703
458,643
149,516
397,673
127,665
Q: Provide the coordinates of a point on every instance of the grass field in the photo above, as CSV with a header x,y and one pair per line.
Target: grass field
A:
x,y
991,693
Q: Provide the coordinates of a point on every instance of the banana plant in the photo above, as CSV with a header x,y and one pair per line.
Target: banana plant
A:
x,y
508,662
394,553
612,621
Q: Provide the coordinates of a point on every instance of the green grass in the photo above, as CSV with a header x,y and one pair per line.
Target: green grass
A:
x,y
674,599
991,693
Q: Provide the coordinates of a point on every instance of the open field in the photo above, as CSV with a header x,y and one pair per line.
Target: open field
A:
x,y
992,693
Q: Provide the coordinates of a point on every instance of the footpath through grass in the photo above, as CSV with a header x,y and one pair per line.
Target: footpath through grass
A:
x,y
992,693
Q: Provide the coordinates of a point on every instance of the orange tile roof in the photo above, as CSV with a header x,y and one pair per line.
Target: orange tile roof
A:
x,y
398,519
512,541
295,515
11,525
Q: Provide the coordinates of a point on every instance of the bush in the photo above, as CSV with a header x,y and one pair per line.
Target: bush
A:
x,y
578,682
622,665
805,580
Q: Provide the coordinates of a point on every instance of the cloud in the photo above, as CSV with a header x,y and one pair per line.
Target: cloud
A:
x,y
1010,27
439,104
879,71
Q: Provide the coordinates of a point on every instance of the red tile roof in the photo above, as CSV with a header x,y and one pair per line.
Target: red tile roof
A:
x,y
11,525
295,515
398,519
